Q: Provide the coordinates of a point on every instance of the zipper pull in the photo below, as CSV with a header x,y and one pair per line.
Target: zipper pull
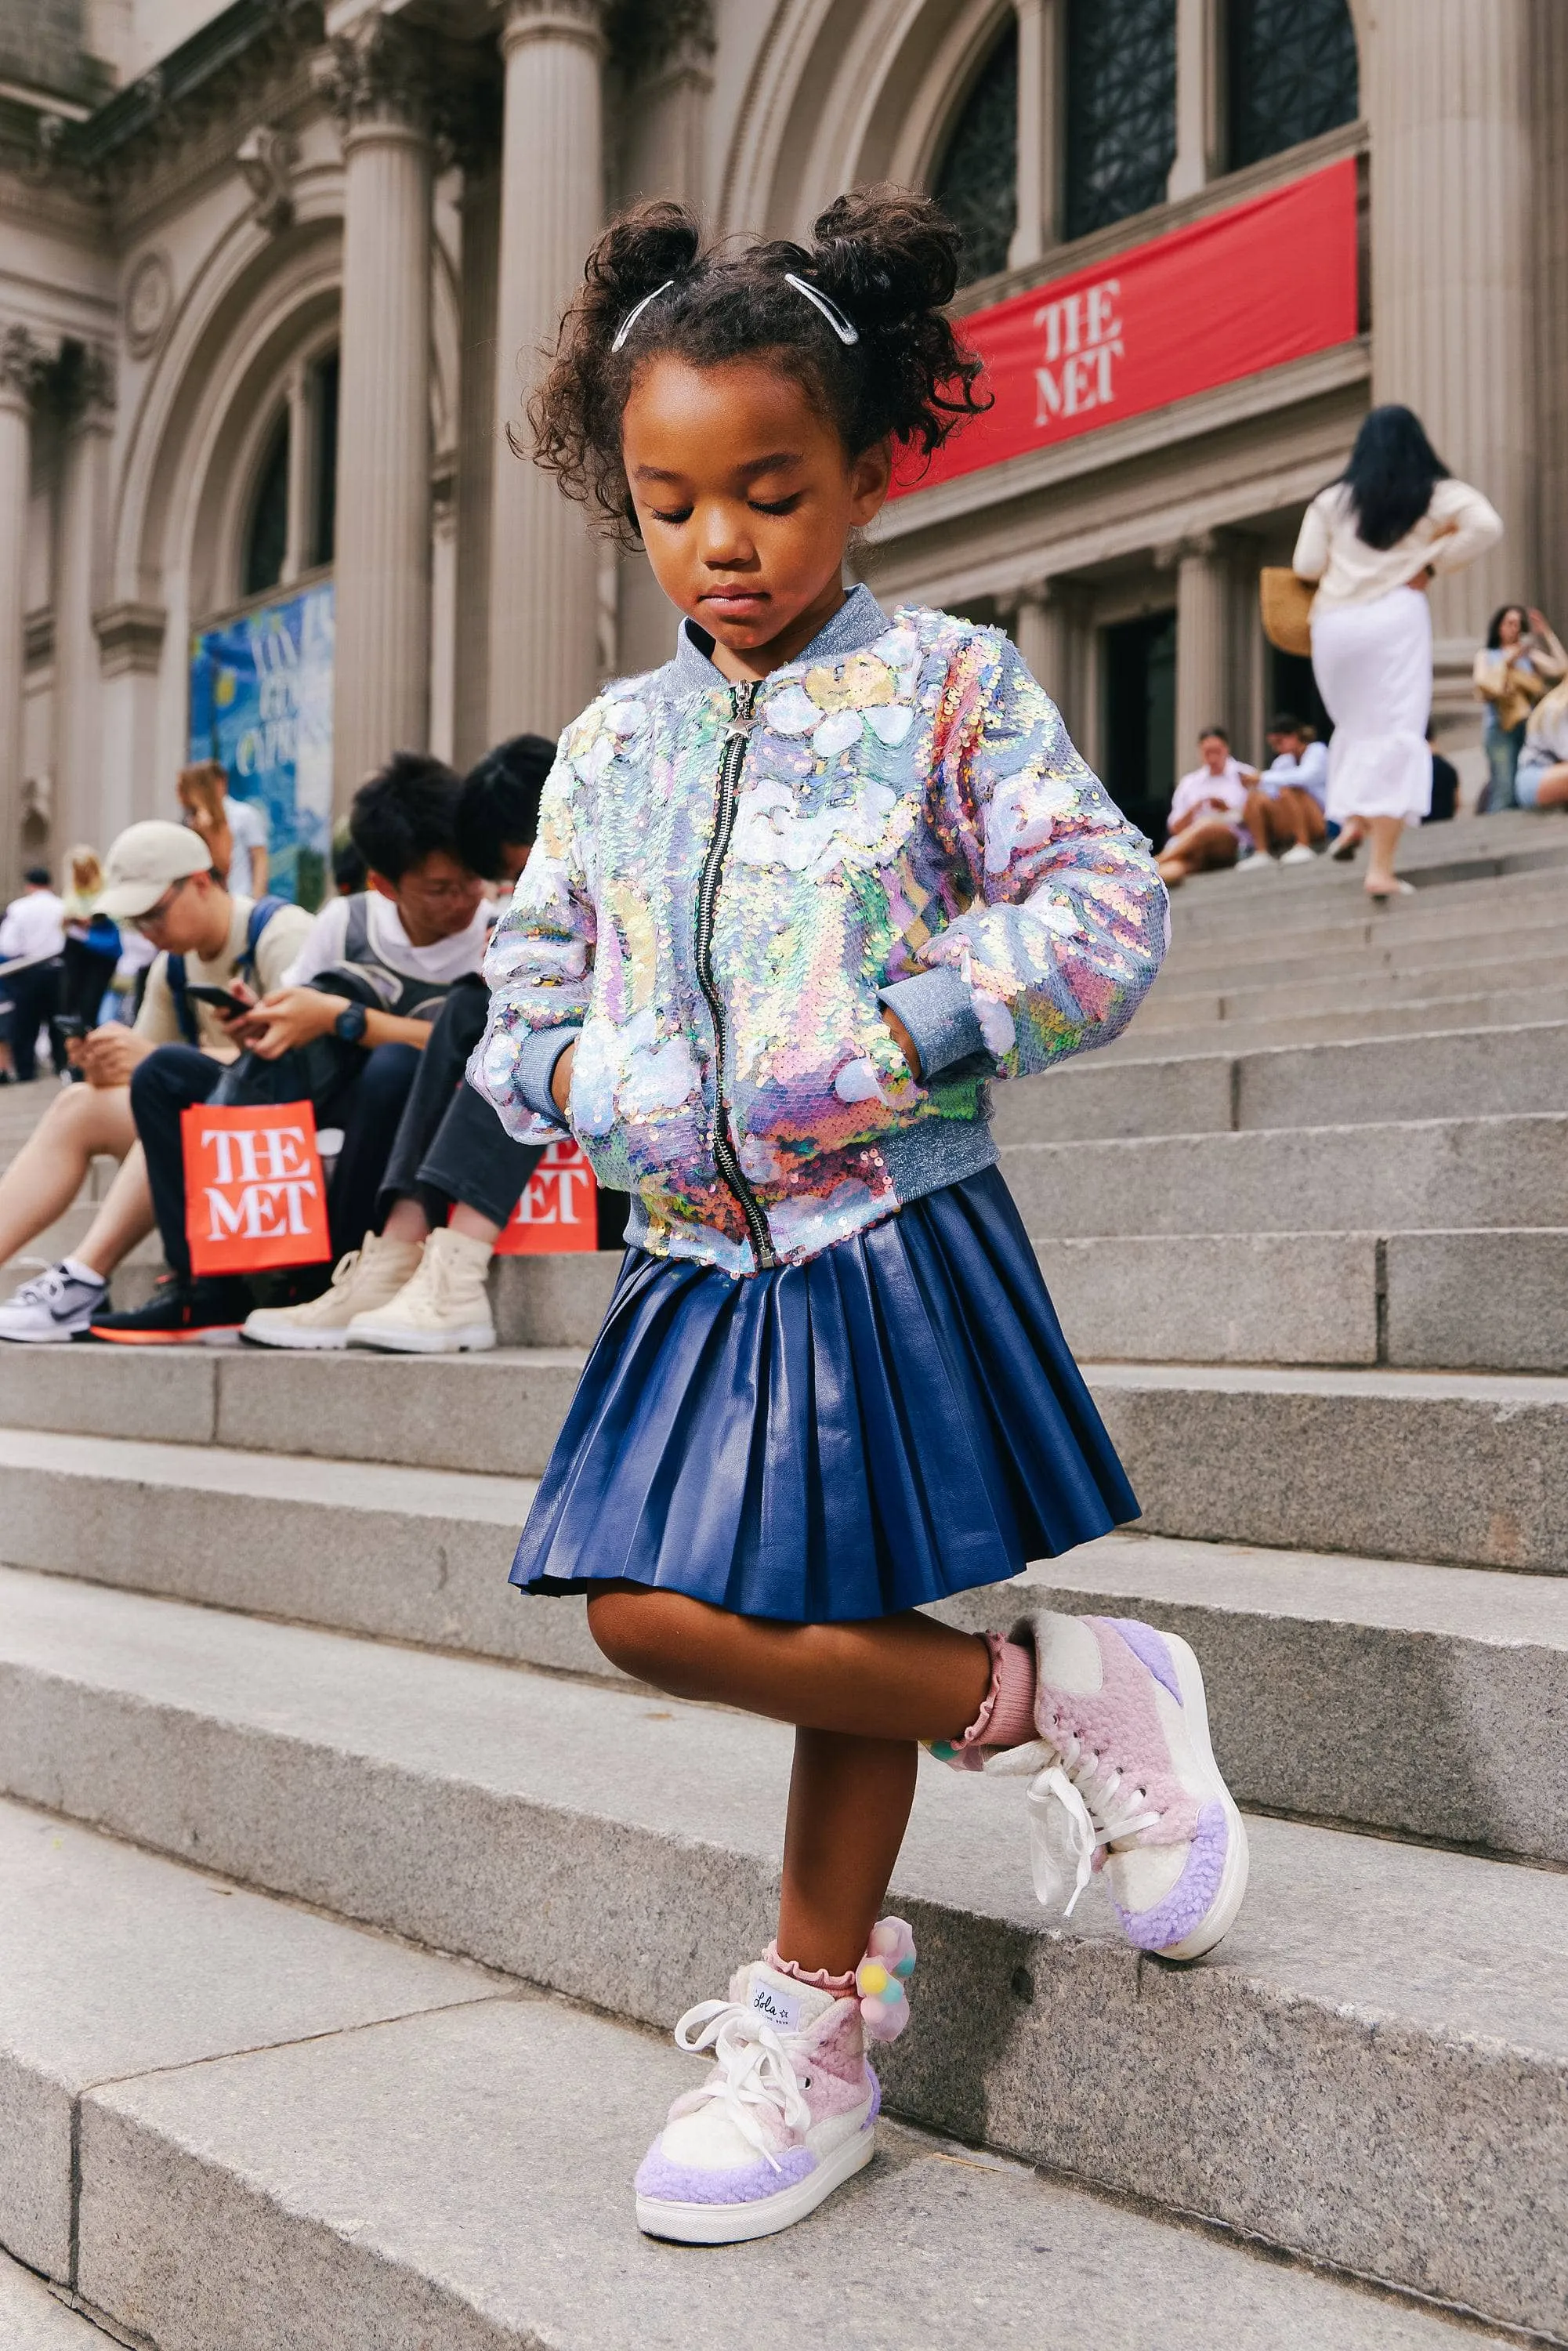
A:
x,y
742,717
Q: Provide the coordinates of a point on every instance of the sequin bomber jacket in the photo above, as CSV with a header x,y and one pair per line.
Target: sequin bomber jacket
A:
x,y
730,884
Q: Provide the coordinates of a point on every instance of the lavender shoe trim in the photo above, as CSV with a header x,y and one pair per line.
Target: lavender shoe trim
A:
x,y
1149,1647
679,2183
1192,1896
875,2099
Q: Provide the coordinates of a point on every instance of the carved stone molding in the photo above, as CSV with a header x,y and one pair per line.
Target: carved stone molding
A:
x,y
148,304
266,157
130,637
553,20
649,36
81,386
381,72
25,363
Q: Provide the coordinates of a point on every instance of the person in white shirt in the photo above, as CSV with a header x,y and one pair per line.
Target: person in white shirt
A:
x,y
157,875
420,925
247,822
1373,542
1206,825
33,936
1285,804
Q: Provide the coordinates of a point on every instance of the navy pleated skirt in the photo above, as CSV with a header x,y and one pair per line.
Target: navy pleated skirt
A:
x,y
897,1419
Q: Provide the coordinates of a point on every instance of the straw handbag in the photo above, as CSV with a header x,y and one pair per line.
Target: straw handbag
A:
x,y
1285,601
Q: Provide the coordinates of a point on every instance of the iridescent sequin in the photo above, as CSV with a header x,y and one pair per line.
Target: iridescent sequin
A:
x,y
910,805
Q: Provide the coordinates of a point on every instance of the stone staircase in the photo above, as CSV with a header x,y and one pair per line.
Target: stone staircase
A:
x,y
342,1886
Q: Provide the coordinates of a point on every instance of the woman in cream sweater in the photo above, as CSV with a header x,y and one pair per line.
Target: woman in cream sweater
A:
x,y
1373,542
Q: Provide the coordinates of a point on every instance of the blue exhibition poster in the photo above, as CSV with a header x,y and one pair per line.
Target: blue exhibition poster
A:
x,y
261,701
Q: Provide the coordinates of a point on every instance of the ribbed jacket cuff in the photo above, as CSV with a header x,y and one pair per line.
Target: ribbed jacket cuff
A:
x,y
938,1011
535,1067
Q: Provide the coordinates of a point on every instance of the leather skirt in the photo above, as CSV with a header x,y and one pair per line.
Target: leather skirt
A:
x,y
895,1420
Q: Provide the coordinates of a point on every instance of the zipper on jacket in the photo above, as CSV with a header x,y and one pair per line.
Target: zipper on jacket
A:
x,y
724,1151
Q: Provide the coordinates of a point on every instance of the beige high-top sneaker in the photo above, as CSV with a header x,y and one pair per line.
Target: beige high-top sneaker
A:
x,y
367,1277
442,1309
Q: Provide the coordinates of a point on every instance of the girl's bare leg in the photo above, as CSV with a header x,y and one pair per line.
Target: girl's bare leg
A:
x,y
861,1695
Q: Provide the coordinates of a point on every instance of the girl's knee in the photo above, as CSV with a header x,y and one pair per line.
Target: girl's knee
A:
x,y
636,1630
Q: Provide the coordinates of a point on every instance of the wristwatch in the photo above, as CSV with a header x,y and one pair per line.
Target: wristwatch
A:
x,y
349,1024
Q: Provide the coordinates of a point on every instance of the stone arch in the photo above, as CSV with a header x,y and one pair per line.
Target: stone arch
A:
x,y
845,91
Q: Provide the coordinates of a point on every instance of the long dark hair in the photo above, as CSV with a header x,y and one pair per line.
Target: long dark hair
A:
x,y
1391,476
1494,629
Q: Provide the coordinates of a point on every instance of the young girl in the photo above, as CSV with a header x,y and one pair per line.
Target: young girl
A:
x,y
799,898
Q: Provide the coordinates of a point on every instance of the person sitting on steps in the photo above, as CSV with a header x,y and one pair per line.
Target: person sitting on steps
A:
x,y
1285,803
159,881
423,1290
422,925
1204,829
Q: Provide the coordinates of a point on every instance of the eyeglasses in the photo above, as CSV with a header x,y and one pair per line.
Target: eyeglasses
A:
x,y
158,912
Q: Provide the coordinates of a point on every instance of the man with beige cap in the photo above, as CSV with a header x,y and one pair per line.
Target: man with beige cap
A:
x,y
158,880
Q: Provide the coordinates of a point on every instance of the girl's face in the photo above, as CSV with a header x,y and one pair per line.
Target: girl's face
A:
x,y
1511,628
745,497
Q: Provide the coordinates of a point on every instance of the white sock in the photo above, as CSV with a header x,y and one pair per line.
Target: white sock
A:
x,y
80,1270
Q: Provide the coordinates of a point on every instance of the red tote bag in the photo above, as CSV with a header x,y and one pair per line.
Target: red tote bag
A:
x,y
255,1195
558,1211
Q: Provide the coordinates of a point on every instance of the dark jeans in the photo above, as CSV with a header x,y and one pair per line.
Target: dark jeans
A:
x,y
368,1110
35,994
450,1143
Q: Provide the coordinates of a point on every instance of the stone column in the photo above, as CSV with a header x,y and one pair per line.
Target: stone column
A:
x,y
1047,628
1454,208
301,460
478,457
1549,214
1039,119
21,366
1203,641
87,393
380,88
543,564
1197,34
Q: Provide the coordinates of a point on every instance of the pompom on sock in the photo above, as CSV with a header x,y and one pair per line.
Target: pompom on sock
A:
x,y
879,1983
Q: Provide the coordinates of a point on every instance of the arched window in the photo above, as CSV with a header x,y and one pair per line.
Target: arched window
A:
x,y
977,184
278,543
1291,73
1121,108
266,531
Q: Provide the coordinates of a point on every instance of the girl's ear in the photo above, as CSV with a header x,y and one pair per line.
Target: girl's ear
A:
x,y
871,478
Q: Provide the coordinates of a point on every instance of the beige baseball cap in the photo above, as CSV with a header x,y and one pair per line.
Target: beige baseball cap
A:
x,y
143,862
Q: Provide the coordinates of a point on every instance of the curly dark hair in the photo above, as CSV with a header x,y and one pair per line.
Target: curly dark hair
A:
x,y
888,260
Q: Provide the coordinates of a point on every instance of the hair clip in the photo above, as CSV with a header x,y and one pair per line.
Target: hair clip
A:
x,y
835,318
635,312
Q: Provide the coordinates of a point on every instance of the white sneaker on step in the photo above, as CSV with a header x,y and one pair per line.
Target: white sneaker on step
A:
x,y
366,1278
443,1307
787,2114
1300,854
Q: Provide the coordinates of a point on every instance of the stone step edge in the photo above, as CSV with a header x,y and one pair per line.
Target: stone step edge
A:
x,y
1405,2067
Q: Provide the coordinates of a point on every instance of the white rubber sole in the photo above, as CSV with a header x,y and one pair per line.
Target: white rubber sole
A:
x,y
294,1339
737,2224
469,1338
1220,1916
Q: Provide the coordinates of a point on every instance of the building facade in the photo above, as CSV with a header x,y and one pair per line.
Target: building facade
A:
x,y
274,277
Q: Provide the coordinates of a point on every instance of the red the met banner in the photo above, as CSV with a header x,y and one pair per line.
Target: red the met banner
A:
x,y
1243,290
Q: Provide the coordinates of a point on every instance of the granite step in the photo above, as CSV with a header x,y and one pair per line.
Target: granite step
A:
x,y
1409,980
1214,1029
1461,1467
1433,1174
1428,1700
622,1851
1454,1073
291,2131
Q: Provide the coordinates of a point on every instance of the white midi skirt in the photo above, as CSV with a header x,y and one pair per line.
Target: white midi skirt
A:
x,y
1373,663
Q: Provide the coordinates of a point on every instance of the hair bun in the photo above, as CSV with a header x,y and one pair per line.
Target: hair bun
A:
x,y
645,247
886,255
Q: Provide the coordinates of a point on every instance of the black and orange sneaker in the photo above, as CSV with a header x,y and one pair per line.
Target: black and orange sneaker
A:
x,y
179,1313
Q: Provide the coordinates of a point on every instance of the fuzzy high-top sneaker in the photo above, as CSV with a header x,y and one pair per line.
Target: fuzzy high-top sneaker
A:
x,y
1124,1778
786,2114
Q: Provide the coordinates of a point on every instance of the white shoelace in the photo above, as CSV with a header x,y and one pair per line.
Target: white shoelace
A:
x,y
754,2069
1078,1806
45,1288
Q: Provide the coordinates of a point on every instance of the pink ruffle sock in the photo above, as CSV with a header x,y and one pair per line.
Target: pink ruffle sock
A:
x,y
1007,1715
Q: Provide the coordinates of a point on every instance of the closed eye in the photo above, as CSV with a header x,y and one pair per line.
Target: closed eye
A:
x,y
672,514
776,505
